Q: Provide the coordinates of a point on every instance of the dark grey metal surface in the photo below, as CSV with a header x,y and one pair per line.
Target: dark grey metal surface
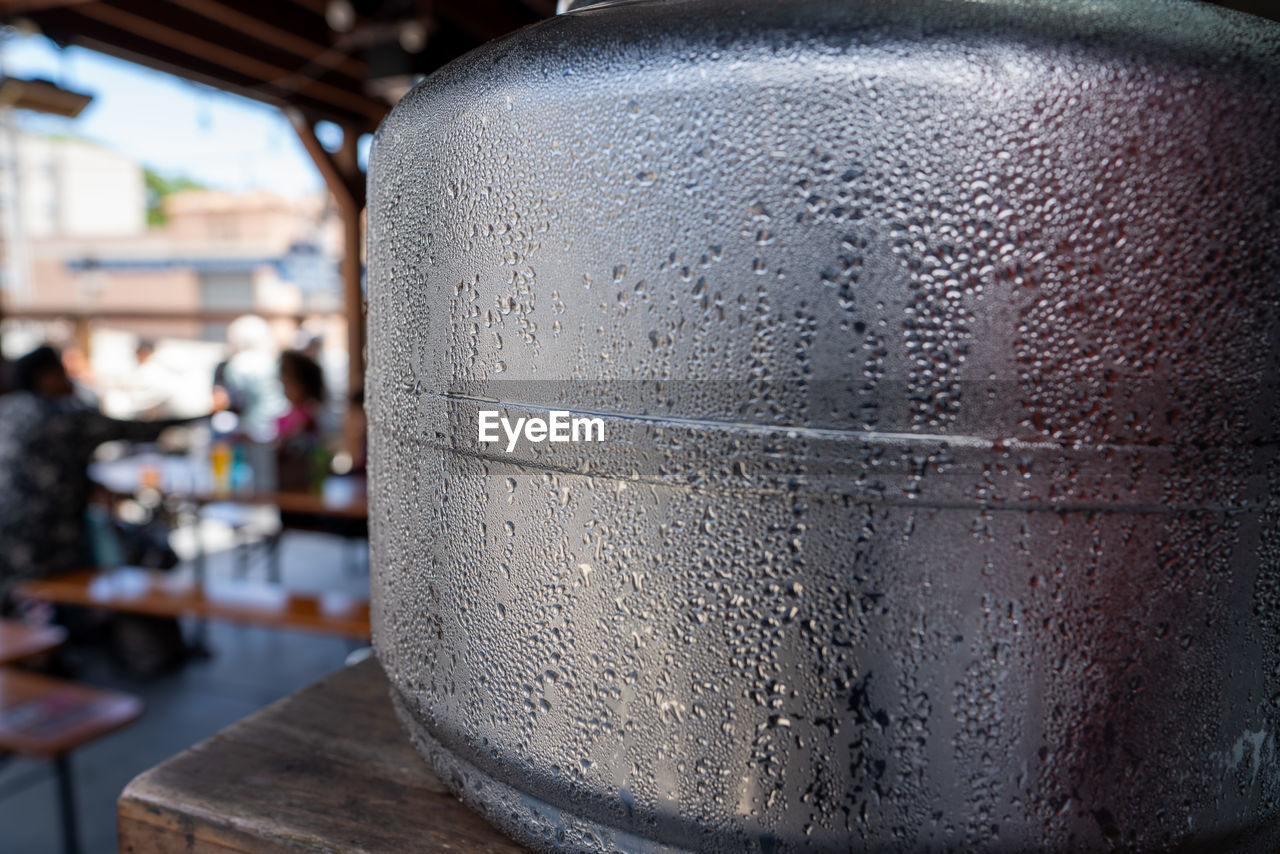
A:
x,y
936,344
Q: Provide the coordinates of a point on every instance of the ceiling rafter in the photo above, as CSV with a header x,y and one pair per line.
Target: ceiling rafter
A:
x,y
283,52
283,80
25,7
255,27
124,45
344,180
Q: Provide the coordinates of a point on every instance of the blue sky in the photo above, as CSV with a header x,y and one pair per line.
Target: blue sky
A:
x,y
166,123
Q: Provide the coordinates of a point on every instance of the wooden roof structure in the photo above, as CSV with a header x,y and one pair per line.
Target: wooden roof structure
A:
x,y
341,61
324,58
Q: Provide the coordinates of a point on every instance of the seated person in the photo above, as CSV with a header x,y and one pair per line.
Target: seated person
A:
x,y
303,461
47,439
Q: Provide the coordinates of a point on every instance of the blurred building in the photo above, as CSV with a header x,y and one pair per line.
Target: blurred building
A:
x,y
71,188
84,269
86,248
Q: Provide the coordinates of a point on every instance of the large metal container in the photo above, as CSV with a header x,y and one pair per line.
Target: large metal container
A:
x,y
934,344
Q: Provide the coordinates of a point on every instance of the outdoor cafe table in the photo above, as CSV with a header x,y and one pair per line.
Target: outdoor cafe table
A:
x,y
188,480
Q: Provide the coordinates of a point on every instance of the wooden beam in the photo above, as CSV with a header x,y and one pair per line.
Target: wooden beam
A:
x,y
42,96
122,46
346,184
342,174
83,336
353,298
68,27
267,74
253,26
25,7
353,273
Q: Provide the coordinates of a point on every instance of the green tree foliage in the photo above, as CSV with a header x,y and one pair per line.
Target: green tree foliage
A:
x,y
158,187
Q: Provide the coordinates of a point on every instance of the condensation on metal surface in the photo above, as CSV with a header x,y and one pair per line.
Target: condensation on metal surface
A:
x,y
937,345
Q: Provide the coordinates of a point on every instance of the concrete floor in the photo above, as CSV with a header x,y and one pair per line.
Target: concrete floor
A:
x,y
250,668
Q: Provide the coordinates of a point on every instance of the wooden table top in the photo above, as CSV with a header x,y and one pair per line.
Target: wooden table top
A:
x,y
354,507
19,641
145,591
42,717
328,769
177,477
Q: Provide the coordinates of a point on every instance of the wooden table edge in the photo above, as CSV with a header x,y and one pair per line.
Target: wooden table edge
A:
x,y
143,801
46,639
51,590
133,709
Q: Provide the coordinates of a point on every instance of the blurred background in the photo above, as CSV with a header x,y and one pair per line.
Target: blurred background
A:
x,y
181,221
155,216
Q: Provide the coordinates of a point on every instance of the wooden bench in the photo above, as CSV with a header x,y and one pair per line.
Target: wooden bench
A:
x,y
161,594
19,641
45,718
328,769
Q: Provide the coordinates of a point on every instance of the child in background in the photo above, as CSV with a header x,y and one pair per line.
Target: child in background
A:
x,y
303,383
301,458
